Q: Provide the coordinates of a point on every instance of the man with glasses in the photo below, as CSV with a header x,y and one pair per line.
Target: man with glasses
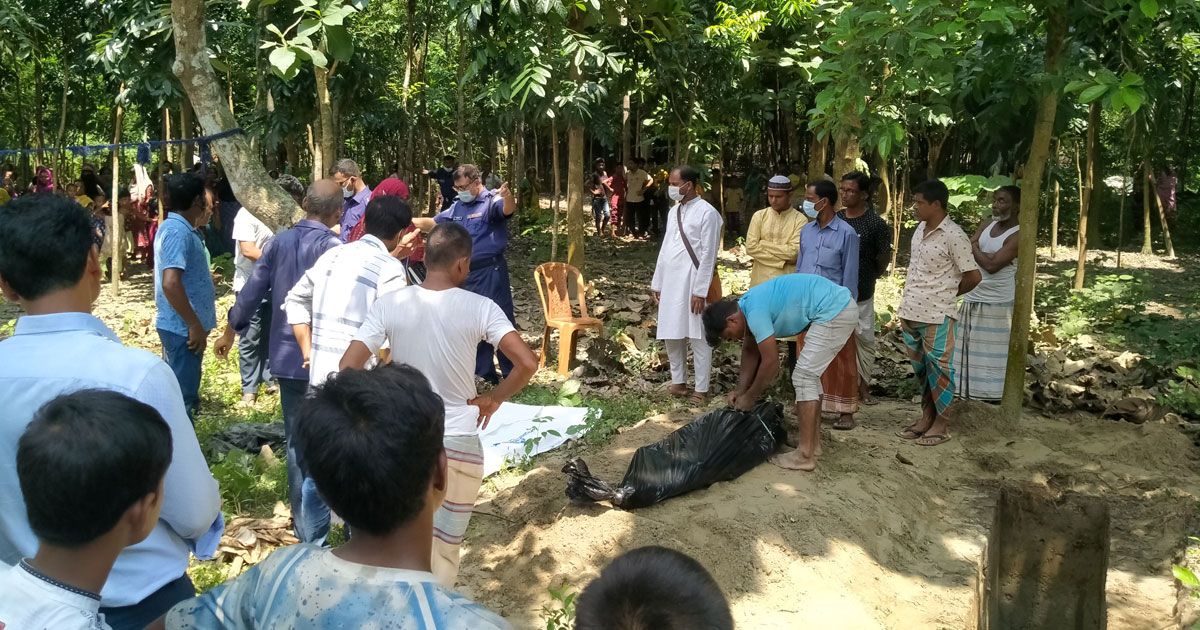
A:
x,y
355,192
485,214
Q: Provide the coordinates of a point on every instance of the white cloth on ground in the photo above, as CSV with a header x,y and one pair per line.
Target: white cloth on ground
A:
x,y
438,332
821,345
676,279
701,357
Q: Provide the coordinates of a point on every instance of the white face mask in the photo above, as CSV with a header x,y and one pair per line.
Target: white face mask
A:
x,y
673,193
810,209
347,191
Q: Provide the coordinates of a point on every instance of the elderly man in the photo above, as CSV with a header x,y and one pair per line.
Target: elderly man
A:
x,y
355,192
485,214
941,267
683,277
773,240
284,261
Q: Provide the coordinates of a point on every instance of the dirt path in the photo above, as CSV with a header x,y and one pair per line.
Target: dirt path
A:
x,y
867,541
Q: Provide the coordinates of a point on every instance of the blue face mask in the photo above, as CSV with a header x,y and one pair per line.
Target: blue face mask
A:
x,y
810,209
465,196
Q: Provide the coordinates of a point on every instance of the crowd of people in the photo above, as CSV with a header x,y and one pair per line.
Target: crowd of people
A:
x,y
377,328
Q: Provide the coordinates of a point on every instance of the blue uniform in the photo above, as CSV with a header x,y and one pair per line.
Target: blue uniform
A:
x,y
487,224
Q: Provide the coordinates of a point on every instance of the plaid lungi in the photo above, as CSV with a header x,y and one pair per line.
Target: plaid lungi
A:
x,y
464,464
981,350
931,352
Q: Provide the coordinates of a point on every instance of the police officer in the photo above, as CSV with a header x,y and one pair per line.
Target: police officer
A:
x,y
485,214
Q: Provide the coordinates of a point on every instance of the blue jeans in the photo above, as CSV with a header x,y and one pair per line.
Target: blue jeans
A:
x,y
252,349
186,366
310,515
141,614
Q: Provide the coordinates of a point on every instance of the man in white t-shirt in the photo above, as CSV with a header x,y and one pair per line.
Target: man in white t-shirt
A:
x,y
635,197
251,236
436,327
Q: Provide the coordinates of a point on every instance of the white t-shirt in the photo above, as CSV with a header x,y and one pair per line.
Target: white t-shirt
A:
x,y
437,332
247,227
32,601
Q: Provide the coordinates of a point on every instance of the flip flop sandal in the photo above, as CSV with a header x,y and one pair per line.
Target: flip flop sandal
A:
x,y
697,398
840,425
932,440
908,433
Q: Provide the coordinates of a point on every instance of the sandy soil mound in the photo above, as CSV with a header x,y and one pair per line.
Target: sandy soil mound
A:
x,y
868,541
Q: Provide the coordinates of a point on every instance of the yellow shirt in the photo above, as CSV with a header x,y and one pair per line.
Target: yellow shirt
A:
x,y
773,241
4,197
84,201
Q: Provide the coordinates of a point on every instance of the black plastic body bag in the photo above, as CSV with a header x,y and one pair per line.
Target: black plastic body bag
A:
x,y
718,446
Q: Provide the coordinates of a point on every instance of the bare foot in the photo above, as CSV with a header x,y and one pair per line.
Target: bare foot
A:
x,y
794,460
845,422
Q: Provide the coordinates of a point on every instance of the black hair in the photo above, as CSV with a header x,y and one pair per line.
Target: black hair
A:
x,y
714,319
86,458
468,171
825,189
386,216
291,186
860,179
933,190
371,440
224,190
450,158
44,243
182,189
447,243
653,587
688,173
639,161
1013,191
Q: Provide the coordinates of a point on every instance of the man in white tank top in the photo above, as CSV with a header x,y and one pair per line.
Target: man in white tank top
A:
x,y
985,315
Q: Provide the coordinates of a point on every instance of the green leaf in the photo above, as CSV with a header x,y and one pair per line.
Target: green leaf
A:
x,y
575,428
337,42
275,29
1149,8
569,388
1133,99
1185,576
1092,93
283,60
308,28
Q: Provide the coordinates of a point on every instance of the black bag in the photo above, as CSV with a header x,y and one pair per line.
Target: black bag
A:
x,y
718,446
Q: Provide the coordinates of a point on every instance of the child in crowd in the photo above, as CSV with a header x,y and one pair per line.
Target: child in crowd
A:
x,y
653,587
91,467
372,442
102,222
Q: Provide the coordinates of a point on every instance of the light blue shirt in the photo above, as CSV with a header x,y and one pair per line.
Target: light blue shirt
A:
x,y
830,252
786,306
177,245
305,586
53,354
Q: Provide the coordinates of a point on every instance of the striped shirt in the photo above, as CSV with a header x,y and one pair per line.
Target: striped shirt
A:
x,y
335,296
305,586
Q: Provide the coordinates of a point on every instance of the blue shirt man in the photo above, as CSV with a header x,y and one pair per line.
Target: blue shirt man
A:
x,y
830,250
786,306
445,179
284,261
61,347
484,213
183,287
355,191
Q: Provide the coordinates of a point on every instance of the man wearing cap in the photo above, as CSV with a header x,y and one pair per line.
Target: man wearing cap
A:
x,y
774,237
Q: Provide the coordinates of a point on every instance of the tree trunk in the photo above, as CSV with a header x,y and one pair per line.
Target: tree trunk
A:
x,y
1054,222
253,188
187,120
166,150
575,230
1039,149
817,149
626,152
792,134
1086,199
39,107
898,216
326,136
936,142
1147,242
847,152
554,166
883,196
118,226
60,139
1162,215
461,131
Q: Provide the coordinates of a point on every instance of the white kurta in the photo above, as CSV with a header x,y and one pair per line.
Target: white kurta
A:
x,y
676,278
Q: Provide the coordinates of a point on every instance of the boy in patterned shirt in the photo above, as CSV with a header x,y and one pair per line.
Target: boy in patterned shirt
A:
x,y
372,441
